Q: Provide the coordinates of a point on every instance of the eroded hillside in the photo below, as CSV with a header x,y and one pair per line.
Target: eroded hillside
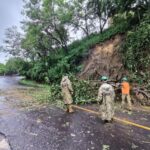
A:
x,y
104,59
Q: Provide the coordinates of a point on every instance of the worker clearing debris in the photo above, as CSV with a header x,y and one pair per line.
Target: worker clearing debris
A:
x,y
125,89
105,98
67,92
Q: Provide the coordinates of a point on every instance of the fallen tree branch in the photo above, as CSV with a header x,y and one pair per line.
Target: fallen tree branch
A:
x,y
142,91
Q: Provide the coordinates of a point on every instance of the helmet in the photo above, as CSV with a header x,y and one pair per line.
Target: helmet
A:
x,y
104,78
124,79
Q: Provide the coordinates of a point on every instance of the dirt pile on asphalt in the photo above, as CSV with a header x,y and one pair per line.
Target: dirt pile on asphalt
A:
x,y
104,59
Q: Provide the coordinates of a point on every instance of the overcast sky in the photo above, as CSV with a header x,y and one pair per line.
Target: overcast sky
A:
x,y
10,14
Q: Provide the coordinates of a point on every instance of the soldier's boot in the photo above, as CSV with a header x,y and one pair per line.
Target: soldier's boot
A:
x,y
67,108
109,121
106,121
129,108
112,120
70,109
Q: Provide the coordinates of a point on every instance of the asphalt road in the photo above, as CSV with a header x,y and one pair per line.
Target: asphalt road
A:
x,y
50,128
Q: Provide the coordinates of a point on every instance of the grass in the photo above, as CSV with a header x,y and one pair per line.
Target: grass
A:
x,y
41,93
31,83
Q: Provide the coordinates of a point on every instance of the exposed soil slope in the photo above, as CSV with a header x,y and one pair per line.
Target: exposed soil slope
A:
x,y
104,59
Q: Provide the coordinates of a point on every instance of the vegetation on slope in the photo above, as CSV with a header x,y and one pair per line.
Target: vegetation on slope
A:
x,y
47,34
136,51
2,69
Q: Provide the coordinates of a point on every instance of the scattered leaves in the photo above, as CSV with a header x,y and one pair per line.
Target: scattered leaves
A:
x,y
72,134
38,120
106,147
134,146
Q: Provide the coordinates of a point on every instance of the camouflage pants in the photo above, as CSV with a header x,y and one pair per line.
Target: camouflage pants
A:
x,y
124,97
107,108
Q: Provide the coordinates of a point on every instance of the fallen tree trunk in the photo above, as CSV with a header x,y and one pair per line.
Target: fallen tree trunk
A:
x,y
144,92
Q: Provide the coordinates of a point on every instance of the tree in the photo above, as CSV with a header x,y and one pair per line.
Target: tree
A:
x,y
14,65
102,9
49,22
2,69
54,19
34,41
82,18
12,42
137,7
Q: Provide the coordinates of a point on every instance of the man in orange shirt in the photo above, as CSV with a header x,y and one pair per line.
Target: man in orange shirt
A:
x,y
125,88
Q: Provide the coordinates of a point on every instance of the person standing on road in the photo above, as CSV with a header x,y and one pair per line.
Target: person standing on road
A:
x,y
105,98
125,89
67,92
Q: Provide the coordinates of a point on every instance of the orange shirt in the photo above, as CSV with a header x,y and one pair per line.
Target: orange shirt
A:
x,y
125,88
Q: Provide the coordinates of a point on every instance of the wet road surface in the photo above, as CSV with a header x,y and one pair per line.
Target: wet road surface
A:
x,y
9,82
50,128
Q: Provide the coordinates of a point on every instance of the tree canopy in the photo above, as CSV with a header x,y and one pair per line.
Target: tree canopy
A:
x,y
52,26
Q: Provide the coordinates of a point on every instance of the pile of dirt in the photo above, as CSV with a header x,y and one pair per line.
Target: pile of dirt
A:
x,y
104,59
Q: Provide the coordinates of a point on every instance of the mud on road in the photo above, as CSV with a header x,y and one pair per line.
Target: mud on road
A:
x,y
50,128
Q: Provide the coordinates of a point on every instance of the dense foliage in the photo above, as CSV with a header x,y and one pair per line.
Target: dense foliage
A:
x,y
80,87
58,35
53,67
2,69
136,50
52,93
13,66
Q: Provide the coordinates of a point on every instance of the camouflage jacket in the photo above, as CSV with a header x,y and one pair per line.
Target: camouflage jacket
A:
x,y
67,90
105,90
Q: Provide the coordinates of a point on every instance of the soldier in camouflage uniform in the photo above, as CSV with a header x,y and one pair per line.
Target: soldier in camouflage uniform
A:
x,y
67,92
106,97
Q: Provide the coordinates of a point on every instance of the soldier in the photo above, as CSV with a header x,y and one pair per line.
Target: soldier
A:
x,y
106,97
67,92
125,89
